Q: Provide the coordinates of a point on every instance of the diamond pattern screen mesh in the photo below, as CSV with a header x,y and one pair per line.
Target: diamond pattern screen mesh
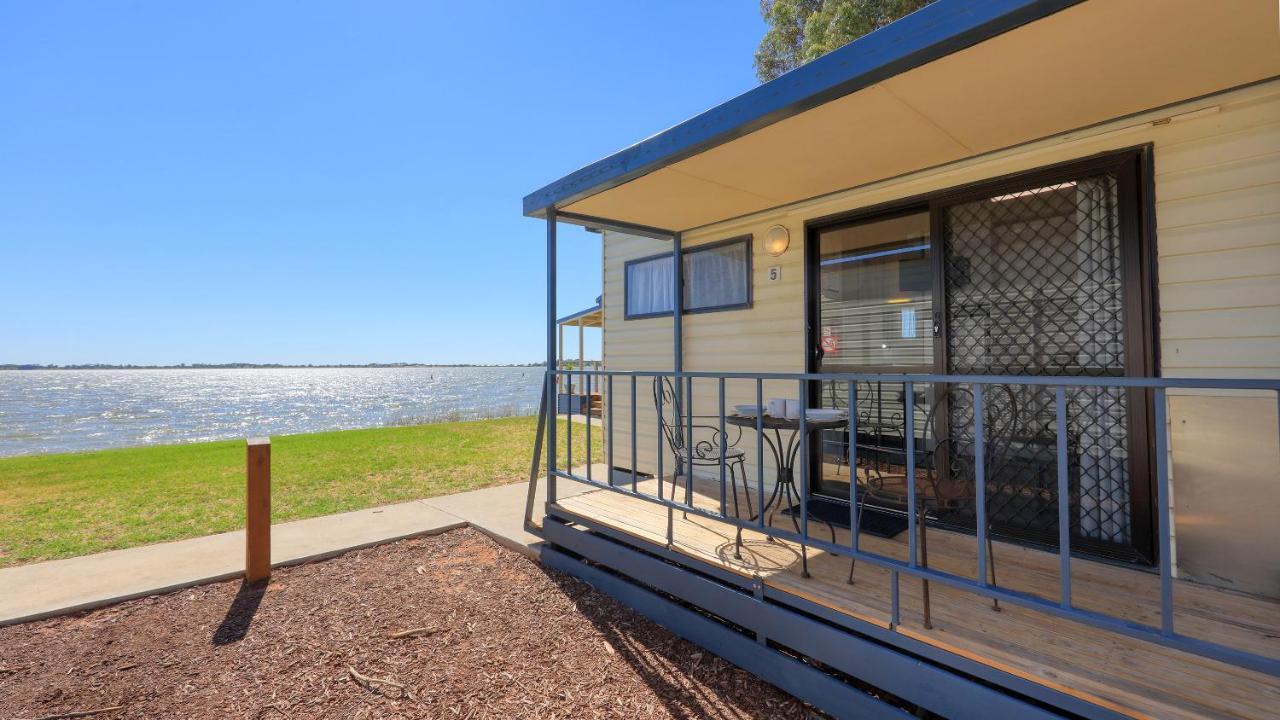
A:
x,y
1033,287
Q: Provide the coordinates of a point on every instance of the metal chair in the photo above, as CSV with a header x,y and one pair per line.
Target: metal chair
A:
x,y
940,455
868,419
681,438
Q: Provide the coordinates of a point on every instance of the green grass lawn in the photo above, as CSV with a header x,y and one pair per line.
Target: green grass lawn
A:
x,y
55,506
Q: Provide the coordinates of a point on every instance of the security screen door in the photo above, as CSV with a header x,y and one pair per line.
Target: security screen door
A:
x,y
1040,275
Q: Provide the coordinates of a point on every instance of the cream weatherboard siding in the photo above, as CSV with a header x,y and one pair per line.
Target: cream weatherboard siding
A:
x,y
1217,187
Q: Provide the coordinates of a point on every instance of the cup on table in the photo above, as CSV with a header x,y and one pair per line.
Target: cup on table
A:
x,y
793,409
777,407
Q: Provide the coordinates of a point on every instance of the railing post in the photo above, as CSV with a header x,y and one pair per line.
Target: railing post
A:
x,y
723,505
760,452
634,429
909,418
851,399
688,444
895,604
804,478
980,479
1163,513
1064,499
568,424
657,406
608,451
586,383
257,510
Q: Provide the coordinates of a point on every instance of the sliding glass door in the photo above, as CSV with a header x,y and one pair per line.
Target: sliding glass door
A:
x,y
875,314
1042,275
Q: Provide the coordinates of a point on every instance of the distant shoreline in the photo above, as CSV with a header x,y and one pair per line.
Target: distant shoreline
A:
x,y
264,366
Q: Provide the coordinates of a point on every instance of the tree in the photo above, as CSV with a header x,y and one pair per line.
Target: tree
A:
x,y
803,30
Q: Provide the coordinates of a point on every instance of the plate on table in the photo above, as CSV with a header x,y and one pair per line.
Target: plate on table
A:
x,y
745,410
823,414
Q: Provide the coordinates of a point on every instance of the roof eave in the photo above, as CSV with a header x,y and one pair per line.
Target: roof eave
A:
x,y
935,31
579,314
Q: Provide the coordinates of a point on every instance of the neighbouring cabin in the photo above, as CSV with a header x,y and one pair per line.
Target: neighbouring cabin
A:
x,y
1017,264
575,394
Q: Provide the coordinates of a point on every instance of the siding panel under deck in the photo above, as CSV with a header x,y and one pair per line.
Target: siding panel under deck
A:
x,y
1115,672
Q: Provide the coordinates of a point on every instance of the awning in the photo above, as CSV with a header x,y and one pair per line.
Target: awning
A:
x,y
957,79
587,317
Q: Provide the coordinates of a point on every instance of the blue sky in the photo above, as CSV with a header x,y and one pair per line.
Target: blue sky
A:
x,y
320,182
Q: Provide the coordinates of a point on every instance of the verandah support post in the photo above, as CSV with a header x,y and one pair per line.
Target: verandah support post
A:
x,y
551,356
677,305
677,366
257,565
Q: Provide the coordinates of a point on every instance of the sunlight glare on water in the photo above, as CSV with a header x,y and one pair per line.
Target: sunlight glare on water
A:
x,y
43,411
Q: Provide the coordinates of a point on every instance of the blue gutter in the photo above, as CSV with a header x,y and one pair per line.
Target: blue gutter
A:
x,y
928,34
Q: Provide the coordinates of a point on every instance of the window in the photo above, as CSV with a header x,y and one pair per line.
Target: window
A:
x,y
876,304
649,284
716,277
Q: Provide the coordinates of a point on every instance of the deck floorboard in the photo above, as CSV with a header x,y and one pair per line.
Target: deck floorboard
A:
x,y
1126,674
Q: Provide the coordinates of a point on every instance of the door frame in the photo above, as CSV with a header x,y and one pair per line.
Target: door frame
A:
x,y
1134,169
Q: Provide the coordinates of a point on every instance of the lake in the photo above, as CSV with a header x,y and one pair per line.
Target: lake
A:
x,y
45,411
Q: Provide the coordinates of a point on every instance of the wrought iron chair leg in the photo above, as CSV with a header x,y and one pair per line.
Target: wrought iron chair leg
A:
x,y
688,485
861,507
733,487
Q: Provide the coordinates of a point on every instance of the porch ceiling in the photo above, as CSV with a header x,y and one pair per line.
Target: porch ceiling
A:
x,y
1088,63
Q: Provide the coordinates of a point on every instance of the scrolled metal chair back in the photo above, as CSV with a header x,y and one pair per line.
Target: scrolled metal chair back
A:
x,y
667,402
949,432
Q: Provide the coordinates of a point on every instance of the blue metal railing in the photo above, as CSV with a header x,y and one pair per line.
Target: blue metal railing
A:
x,y
1165,634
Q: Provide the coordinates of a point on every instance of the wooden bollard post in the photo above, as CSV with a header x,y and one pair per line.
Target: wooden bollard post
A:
x,y
258,510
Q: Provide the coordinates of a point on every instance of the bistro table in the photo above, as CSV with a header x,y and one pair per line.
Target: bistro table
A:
x,y
785,452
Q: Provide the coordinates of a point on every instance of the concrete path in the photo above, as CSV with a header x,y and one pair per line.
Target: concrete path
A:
x,y
29,592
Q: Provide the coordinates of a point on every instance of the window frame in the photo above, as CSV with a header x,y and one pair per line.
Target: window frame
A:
x,y
747,240
626,287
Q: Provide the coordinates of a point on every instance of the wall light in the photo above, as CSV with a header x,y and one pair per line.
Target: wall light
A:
x,y
776,240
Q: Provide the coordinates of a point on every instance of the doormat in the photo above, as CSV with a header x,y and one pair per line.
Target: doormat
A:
x,y
881,523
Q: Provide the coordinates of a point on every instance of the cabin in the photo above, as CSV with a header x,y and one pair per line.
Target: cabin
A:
x,y
941,375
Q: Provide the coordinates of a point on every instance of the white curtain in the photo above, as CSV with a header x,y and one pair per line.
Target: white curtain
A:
x,y
713,277
650,286
1102,446
716,277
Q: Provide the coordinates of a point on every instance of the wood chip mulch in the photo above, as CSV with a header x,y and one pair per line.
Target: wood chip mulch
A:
x,y
452,626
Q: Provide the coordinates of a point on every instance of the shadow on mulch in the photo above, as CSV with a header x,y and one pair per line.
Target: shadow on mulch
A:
x,y
711,677
235,626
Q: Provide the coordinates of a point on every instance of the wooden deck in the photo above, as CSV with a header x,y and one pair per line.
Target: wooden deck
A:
x,y
1128,675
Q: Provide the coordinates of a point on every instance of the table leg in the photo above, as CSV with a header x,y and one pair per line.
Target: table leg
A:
x,y
779,479
793,451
